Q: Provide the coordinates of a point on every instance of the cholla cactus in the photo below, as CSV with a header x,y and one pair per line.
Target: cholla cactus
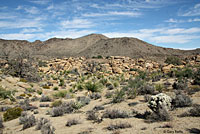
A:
x,y
160,101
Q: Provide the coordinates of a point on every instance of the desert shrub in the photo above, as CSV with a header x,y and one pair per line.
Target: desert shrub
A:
x,y
55,88
160,115
42,63
195,111
56,103
119,96
142,75
92,115
45,98
62,83
57,111
173,60
1,122
4,94
115,113
44,105
23,80
115,84
72,122
25,105
104,81
92,86
83,100
30,90
12,113
46,87
47,128
61,94
197,77
180,85
4,108
64,108
145,89
39,92
119,125
80,86
194,89
97,108
108,94
159,87
135,83
40,123
27,120
95,96
181,100
22,65
130,92
186,72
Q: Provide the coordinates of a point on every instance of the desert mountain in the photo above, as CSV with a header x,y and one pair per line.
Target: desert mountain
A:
x,y
93,45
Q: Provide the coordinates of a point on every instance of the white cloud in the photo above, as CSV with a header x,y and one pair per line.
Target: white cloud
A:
x,y
77,23
40,2
114,13
47,35
31,30
171,20
21,23
162,35
174,39
194,11
30,10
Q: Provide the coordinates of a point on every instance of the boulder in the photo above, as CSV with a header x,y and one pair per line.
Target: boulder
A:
x,y
23,85
117,70
198,58
167,68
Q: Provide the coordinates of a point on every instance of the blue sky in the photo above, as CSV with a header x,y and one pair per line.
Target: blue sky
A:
x,y
167,23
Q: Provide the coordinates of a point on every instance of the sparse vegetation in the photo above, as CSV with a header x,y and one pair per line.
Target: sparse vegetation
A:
x,y
119,125
92,86
12,113
115,113
72,122
173,60
27,120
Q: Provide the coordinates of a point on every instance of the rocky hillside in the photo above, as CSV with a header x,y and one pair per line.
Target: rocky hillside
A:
x,y
93,45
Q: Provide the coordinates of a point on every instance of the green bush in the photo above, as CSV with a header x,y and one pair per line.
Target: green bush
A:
x,y
159,87
173,60
92,86
186,72
46,87
56,103
119,96
197,77
4,94
42,63
12,113
60,94
55,88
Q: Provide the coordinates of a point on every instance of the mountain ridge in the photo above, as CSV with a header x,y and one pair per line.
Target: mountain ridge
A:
x,y
93,45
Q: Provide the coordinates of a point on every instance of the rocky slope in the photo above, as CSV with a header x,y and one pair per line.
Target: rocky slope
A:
x,y
93,45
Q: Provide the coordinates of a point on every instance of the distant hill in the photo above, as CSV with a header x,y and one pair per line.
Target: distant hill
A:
x,y
93,45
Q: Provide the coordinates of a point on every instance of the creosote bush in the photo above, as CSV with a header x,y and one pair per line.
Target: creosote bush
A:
x,y
12,113
92,86
72,122
27,120
181,100
115,113
119,125
23,66
1,123
173,60
119,96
